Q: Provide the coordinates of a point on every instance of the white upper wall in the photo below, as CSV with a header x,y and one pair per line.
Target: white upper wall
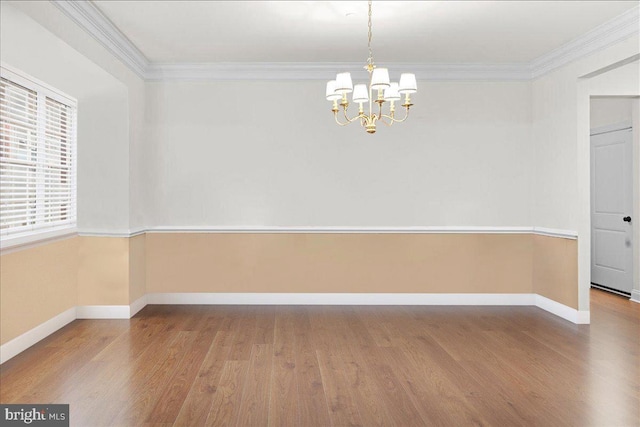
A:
x,y
270,154
103,123
111,133
556,127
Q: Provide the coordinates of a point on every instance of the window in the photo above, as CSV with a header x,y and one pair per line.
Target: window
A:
x,y
37,160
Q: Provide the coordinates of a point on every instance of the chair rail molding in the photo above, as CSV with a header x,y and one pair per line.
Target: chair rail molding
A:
x,y
551,232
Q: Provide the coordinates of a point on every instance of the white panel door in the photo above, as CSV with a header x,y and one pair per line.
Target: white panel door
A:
x,y
611,207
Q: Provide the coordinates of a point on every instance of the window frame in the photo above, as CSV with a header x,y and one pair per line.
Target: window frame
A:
x,y
35,235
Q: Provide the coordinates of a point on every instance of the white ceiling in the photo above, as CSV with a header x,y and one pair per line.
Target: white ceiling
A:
x,y
336,31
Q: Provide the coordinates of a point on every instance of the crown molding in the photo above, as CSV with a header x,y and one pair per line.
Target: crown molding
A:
x,y
611,32
85,14
471,71
325,70
248,71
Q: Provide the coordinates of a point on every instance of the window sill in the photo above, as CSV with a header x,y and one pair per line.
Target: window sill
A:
x,y
30,239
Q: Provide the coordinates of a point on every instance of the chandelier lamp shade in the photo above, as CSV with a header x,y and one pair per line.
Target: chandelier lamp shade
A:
x,y
379,91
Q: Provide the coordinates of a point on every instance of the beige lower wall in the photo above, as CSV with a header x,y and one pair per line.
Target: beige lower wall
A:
x,y
555,269
36,285
39,283
103,271
137,267
310,262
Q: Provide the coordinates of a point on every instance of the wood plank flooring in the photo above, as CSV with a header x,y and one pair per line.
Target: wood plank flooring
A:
x,y
317,366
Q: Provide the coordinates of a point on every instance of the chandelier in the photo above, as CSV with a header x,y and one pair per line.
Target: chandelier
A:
x,y
379,85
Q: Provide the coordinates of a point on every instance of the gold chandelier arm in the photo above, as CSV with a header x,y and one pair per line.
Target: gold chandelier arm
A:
x,y
344,110
394,120
335,116
384,116
348,120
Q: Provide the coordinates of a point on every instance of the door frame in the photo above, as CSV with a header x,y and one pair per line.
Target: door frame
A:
x,y
585,89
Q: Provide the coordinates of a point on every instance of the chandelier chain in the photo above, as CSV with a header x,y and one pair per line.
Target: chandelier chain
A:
x,y
370,60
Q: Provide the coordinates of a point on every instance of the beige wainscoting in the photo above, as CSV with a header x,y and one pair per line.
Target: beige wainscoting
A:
x,y
351,263
103,271
41,282
555,269
137,267
37,284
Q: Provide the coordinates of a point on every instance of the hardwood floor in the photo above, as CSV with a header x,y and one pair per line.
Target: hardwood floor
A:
x,y
316,366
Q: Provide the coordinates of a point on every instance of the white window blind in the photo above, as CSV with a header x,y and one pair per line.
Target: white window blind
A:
x,y
37,158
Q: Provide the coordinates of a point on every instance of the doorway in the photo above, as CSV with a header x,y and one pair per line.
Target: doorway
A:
x,y
612,222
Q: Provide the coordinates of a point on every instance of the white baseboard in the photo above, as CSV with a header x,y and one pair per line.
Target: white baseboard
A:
x,y
29,338
111,311
338,299
137,305
102,312
583,317
635,295
554,307
564,311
